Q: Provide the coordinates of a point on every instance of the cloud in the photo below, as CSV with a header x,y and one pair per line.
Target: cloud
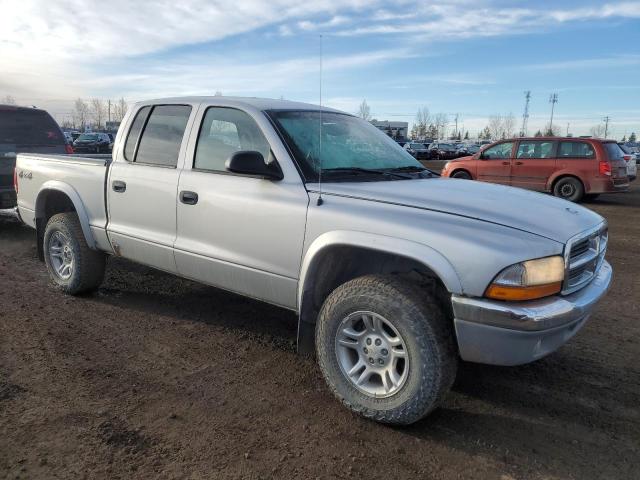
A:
x,y
586,63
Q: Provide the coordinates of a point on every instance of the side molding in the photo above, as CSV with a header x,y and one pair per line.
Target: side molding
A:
x,y
70,192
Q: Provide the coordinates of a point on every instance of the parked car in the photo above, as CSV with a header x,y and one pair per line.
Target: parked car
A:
x,y
92,143
395,273
632,161
419,151
570,168
24,129
442,151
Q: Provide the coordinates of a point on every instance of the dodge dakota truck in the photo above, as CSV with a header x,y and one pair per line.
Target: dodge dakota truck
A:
x,y
395,273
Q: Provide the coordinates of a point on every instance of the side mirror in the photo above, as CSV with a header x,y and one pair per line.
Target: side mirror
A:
x,y
248,162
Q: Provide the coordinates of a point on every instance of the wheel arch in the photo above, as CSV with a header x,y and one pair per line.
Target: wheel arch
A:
x,y
337,257
461,169
560,175
58,197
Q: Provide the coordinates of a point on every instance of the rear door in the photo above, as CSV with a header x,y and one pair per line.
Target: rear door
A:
x,y
143,182
240,232
534,163
494,163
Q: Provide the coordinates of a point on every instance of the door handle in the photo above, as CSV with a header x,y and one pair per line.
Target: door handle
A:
x,y
519,163
188,198
118,186
505,163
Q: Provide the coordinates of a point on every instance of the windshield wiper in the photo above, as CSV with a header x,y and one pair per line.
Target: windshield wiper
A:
x,y
363,171
413,168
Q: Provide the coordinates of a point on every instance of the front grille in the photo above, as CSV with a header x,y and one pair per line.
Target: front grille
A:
x,y
6,180
584,255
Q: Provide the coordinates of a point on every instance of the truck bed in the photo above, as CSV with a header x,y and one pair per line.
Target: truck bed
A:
x,y
82,177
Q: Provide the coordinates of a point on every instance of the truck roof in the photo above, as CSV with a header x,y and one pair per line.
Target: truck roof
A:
x,y
253,102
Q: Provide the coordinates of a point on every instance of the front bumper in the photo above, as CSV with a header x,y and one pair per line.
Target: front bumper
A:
x,y
514,333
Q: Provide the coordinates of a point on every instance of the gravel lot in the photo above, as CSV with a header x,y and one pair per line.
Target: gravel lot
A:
x,y
158,377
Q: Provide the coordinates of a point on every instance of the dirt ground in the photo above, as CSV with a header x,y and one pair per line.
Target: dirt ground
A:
x,y
158,377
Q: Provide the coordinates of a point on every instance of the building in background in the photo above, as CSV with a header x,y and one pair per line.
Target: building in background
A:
x,y
399,131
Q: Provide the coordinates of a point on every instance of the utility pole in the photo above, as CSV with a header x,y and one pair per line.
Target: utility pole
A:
x,y
567,129
525,115
109,111
456,132
606,125
553,99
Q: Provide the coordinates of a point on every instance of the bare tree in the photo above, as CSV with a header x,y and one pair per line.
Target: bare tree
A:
x,y
81,113
441,121
597,131
364,111
98,112
552,131
508,126
218,93
120,110
495,126
423,117
8,100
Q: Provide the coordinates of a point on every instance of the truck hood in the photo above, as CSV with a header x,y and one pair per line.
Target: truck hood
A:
x,y
532,212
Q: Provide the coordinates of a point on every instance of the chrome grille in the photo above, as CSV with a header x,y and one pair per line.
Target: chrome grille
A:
x,y
584,255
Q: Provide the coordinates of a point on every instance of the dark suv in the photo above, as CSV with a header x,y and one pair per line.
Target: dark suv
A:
x,y
24,130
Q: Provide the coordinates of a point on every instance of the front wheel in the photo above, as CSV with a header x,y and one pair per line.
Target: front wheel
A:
x,y
386,349
72,265
461,174
569,188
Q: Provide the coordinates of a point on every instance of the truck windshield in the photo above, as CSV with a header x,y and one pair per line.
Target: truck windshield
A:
x,y
347,145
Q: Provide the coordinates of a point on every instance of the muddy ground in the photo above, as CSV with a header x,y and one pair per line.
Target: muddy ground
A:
x,y
158,377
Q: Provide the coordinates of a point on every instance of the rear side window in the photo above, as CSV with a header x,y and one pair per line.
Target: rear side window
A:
x,y
614,151
225,131
162,135
134,132
21,126
535,149
576,150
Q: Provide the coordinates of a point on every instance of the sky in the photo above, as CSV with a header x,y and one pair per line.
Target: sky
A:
x,y
472,59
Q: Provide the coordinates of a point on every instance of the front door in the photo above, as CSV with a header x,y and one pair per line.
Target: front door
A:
x,y
142,186
535,162
494,163
238,232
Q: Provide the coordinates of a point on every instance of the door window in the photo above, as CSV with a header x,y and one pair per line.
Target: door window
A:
x,y
225,131
535,149
502,150
576,150
134,133
162,135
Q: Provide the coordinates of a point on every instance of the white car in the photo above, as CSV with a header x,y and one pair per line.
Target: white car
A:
x,y
632,161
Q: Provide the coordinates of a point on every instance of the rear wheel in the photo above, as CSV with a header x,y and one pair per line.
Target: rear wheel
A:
x,y
569,188
72,265
462,174
386,349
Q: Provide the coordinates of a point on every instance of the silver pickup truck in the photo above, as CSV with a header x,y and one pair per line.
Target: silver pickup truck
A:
x,y
395,273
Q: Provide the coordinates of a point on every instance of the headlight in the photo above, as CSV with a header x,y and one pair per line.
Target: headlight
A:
x,y
528,280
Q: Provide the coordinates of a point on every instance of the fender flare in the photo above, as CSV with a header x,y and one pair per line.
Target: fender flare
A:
x,y
421,253
69,191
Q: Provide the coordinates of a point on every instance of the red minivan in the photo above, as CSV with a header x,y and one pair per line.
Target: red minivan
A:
x,y
570,168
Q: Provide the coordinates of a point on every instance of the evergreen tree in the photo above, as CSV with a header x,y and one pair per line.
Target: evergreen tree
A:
x,y
632,137
538,134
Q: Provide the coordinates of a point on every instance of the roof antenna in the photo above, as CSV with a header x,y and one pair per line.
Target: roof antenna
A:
x,y
320,201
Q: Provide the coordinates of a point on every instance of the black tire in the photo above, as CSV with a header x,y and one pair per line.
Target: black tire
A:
x,y
569,188
87,272
461,174
419,320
